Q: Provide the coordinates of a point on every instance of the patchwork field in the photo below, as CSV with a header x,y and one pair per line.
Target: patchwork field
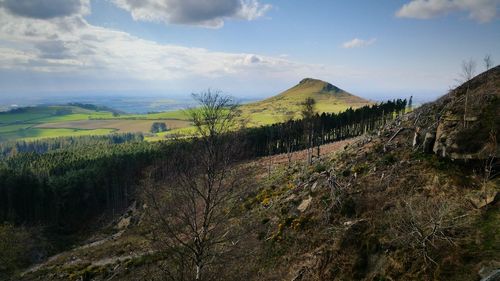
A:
x,y
70,120
120,125
83,119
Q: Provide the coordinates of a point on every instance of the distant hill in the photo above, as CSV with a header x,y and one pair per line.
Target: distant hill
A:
x,y
76,119
329,98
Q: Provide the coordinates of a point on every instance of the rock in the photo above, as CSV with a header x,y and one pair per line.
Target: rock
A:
x,y
441,139
314,186
483,198
416,138
492,276
290,198
123,223
429,140
305,204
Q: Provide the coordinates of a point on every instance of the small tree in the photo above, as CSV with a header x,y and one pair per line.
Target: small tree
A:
x,y
468,72
287,134
488,63
428,226
191,206
158,127
307,111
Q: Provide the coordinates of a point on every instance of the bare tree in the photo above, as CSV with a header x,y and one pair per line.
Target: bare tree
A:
x,y
428,225
308,111
192,206
287,135
468,72
488,63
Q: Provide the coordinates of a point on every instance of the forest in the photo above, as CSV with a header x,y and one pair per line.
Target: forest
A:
x,y
66,182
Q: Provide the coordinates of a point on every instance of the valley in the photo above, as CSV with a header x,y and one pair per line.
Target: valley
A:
x,y
80,119
345,206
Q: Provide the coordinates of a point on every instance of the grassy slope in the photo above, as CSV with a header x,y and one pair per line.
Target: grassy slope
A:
x,y
43,121
287,104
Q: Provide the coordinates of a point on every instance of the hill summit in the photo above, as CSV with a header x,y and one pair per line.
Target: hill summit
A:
x,y
325,86
329,98
319,89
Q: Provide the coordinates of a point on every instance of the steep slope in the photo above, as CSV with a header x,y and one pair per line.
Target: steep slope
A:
x,y
329,98
385,206
393,205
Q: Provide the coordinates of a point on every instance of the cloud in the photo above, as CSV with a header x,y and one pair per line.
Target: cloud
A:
x,y
358,43
72,47
207,13
479,10
45,9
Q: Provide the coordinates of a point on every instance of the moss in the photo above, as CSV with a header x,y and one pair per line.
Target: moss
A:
x,y
389,159
360,168
320,167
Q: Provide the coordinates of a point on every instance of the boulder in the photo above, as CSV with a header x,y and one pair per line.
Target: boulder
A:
x,y
429,141
123,223
416,138
305,204
483,198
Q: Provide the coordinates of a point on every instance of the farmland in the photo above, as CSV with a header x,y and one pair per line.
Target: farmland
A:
x,y
83,119
73,120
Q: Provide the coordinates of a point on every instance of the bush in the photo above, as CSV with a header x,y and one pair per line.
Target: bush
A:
x,y
158,127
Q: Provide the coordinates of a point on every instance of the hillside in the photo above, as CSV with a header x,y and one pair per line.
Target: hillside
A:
x,y
39,122
278,108
31,123
415,200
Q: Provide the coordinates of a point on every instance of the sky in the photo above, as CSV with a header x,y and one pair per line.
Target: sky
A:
x,y
245,48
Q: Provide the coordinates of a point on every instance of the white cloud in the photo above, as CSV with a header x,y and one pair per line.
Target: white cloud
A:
x,y
71,46
479,10
357,43
207,13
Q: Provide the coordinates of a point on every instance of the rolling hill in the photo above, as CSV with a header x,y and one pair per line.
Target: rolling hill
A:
x,y
329,98
82,119
388,205
50,121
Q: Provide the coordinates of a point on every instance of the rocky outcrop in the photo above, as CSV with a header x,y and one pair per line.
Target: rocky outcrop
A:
x,y
464,121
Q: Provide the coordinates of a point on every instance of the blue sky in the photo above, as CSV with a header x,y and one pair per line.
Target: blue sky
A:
x,y
247,48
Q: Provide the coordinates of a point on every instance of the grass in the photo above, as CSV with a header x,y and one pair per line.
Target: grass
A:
x,y
37,133
63,120
59,121
287,104
122,126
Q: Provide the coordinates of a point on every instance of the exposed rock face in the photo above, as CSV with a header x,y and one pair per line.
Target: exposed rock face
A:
x,y
465,120
429,140
416,138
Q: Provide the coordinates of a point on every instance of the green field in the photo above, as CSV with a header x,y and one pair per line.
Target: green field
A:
x,y
60,121
73,120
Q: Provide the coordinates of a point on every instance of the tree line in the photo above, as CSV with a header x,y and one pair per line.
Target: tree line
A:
x,y
40,146
316,129
65,182
66,188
